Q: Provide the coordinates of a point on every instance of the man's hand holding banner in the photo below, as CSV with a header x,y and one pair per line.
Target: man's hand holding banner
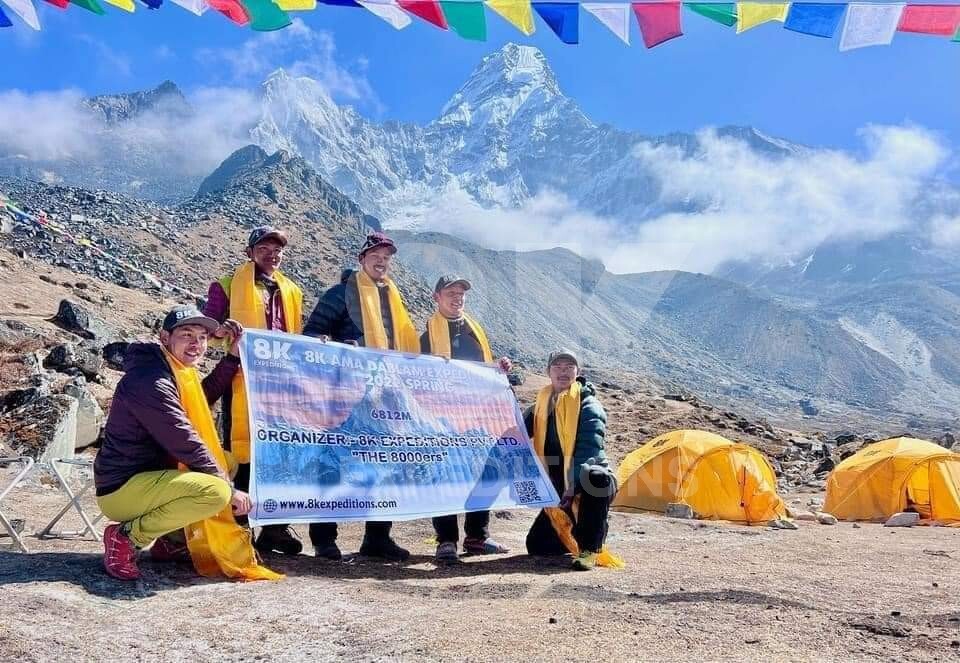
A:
x,y
345,433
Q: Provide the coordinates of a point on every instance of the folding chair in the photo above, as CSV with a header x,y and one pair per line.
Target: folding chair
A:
x,y
20,476
89,526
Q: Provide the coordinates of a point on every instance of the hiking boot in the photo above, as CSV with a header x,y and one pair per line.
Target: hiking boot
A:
x,y
483,547
167,549
279,538
446,554
585,561
329,551
384,548
119,554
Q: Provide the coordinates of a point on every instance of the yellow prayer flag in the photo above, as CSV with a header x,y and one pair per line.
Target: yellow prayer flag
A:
x,y
296,5
752,14
126,5
518,12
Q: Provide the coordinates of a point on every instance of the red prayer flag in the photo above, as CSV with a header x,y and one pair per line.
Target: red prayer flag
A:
x,y
659,21
930,19
428,10
232,9
62,4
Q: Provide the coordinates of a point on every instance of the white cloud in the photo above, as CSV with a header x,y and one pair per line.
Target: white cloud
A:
x,y
300,50
43,125
110,63
756,206
945,231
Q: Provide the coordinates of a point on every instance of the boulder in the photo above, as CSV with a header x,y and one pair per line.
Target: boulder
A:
x,y
90,416
677,510
903,519
17,398
113,354
75,318
807,516
44,429
68,358
782,523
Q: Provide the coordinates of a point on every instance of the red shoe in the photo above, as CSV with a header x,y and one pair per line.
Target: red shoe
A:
x,y
119,554
166,549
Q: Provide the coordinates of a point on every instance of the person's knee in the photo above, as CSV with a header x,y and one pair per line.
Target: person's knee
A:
x,y
597,482
214,492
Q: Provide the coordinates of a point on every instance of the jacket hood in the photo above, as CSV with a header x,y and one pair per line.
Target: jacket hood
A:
x,y
346,274
143,355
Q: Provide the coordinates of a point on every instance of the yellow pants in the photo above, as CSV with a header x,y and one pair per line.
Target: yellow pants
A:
x,y
152,504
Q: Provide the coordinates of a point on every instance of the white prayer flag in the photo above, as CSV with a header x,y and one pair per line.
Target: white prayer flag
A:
x,y
193,6
615,16
25,10
869,24
388,11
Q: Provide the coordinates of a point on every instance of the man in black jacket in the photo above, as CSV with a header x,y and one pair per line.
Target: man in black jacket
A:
x,y
338,316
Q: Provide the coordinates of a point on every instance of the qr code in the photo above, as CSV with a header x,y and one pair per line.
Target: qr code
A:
x,y
527,491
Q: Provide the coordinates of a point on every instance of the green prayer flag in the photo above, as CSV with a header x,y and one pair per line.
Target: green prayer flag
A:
x,y
265,15
721,13
956,37
466,19
90,5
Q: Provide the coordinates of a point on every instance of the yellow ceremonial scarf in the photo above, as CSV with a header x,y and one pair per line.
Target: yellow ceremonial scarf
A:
x,y
217,545
567,412
247,308
438,329
374,335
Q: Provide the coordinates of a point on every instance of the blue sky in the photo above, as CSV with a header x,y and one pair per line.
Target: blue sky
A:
x,y
783,83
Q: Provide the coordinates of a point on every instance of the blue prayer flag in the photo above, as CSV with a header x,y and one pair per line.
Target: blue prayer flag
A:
x,y
817,19
563,18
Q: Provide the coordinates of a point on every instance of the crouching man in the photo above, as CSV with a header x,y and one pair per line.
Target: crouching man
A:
x,y
160,418
567,425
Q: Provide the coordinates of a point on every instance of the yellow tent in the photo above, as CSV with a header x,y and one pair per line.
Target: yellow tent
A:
x,y
896,475
715,477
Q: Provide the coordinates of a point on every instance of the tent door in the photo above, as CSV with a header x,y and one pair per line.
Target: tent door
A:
x,y
917,497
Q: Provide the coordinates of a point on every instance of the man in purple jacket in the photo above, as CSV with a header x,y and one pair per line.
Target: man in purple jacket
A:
x,y
148,433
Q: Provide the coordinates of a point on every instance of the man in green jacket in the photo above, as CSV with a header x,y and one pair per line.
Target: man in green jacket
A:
x,y
567,425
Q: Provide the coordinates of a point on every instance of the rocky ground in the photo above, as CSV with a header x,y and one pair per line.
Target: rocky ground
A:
x,y
690,590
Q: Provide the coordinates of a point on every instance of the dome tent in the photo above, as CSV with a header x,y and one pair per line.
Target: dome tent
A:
x,y
717,478
900,474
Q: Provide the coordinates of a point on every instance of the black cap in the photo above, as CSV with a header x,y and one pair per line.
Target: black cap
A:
x,y
448,280
188,315
263,233
562,353
377,240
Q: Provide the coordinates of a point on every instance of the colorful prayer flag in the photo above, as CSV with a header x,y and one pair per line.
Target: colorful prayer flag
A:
x,y
563,18
616,16
62,4
5,22
25,10
389,11
956,37
428,10
467,19
266,16
90,5
126,5
232,10
152,4
659,21
725,13
517,12
940,20
870,24
296,5
752,14
813,18
197,7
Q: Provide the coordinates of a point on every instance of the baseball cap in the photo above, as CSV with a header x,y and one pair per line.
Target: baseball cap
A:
x,y
377,240
448,280
263,233
562,354
188,315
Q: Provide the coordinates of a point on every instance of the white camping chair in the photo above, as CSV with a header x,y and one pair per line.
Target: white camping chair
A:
x,y
13,532
89,525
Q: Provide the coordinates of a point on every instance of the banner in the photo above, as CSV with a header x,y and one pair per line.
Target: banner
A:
x,y
344,433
